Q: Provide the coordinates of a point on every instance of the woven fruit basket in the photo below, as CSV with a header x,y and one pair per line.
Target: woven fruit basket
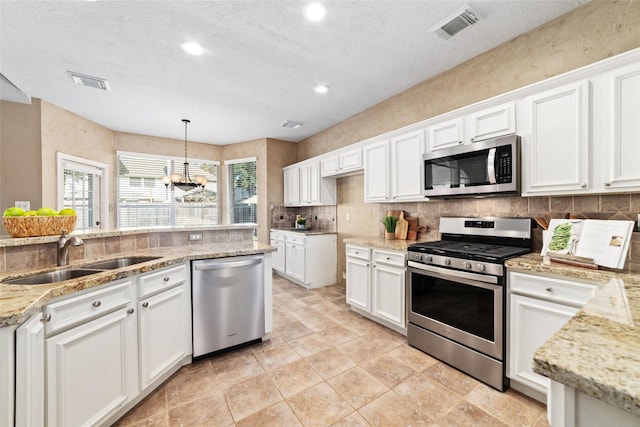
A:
x,y
34,226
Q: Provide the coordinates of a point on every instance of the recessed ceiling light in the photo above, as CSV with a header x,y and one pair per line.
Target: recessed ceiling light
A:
x,y
193,48
322,89
315,11
291,124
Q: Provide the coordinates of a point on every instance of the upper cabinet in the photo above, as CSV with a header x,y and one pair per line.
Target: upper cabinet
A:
x,y
303,185
622,129
392,168
344,162
555,139
446,134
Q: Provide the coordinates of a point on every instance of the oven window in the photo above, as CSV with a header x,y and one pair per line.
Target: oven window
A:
x,y
465,307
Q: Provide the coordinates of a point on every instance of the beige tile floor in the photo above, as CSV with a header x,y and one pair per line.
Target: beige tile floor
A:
x,y
327,366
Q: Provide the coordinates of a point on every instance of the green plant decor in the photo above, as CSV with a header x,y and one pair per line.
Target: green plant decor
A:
x,y
390,222
301,221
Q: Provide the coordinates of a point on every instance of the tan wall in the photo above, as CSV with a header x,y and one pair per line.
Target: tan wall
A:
x,y
20,156
279,154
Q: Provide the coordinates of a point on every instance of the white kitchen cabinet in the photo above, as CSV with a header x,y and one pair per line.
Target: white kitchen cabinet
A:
x,y
376,285
555,139
309,260
491,122
343,163
164,322
92,369
277,239
446,134
392,169
292,186
622,91
30,374
538,307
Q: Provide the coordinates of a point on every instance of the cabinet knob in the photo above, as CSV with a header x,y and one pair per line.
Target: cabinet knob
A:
x,y
584,185
549,289
145,304
130,311
166,279
46,318
357,252
97,304
607,184
388,258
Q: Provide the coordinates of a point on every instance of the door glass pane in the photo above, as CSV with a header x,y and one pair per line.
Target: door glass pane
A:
x,y
82,193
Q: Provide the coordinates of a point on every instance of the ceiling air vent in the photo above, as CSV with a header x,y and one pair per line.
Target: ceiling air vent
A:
x,y
455,23
291,124
84,80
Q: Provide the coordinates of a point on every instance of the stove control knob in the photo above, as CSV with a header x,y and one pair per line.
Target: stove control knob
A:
x,y
447,261
419,257
466,265
482,267
428,258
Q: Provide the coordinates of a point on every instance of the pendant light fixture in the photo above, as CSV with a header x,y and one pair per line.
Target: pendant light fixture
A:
x,y
184,182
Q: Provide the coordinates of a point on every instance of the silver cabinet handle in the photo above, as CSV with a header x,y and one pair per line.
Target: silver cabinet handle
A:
x,y
45,318
549,289
96,304
130,311
145,304
166,279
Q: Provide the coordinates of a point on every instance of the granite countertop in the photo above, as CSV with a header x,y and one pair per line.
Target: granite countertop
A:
x,y
382,243
309,232
598,351
19,302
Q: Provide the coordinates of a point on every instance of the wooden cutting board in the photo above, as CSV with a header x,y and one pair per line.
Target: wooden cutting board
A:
x,y
412,233
402,227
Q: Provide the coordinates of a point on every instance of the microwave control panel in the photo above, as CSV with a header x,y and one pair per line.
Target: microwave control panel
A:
x,y
504,167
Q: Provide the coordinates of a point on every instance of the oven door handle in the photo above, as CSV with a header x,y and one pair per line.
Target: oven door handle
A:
x,y
447,274
491,166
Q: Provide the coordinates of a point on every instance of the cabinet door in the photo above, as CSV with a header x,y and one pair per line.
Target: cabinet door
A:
x,y
376,172
310,184
358,283
446,134
278,256
330,165
492,122
30,373
388,294
623,88
292,187
350,160
556,147
532,323
92,369
406,160
164,332
295,262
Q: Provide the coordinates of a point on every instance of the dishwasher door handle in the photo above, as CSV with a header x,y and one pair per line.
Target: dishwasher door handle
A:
x,y
228,264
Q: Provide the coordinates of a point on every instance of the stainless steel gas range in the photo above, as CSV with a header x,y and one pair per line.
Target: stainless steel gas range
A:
x,y
457,293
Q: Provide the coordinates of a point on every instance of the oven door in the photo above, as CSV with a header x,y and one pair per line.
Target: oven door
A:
x,y
461,306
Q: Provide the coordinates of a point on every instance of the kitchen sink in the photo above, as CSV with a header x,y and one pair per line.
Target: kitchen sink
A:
x,y
112,264
52,276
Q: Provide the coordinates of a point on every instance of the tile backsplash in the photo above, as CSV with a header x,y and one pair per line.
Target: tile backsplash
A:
x,y
322,218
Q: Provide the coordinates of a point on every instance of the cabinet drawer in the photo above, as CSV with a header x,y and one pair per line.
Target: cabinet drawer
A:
x,y
392,258
552,289
79,309
164,279
276,236
359,252
297,240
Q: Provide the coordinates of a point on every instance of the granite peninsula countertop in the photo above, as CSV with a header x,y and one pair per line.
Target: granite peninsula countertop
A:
x,y
310,232
598,351
382,243
19,302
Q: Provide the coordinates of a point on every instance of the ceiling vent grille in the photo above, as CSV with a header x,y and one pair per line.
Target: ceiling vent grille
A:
x,y
291,124
455,23
89,81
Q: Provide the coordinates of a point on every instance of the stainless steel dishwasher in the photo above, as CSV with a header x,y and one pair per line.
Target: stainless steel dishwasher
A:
x,y
228,302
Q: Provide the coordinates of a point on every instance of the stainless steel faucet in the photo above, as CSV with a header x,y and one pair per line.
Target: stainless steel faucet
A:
x,y
64,243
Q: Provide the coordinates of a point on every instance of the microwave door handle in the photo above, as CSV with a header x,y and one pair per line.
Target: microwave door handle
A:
x,y
491,166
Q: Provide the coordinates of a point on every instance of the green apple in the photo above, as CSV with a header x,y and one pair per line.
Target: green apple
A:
x,y
30,213
45,212
14,211
67,212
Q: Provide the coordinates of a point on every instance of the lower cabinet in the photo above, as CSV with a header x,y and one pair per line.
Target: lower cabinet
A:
x,y
277,240
376,285
91,356
538,307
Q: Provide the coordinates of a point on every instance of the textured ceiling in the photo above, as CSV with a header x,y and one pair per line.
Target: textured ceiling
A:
x,y
261,63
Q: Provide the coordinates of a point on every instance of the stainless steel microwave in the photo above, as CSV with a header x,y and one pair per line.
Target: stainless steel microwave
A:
x,y
485,168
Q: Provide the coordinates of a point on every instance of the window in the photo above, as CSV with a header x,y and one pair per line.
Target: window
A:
x,y
242,190
144,201
82,186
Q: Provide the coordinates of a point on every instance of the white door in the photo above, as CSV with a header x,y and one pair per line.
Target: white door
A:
x,y
278,256
556,140
376,172
295,261
623,89
492,122
310,184
165,325
446,134
388,294
532,323
358,283
30,373
92,370
292,187
406,162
